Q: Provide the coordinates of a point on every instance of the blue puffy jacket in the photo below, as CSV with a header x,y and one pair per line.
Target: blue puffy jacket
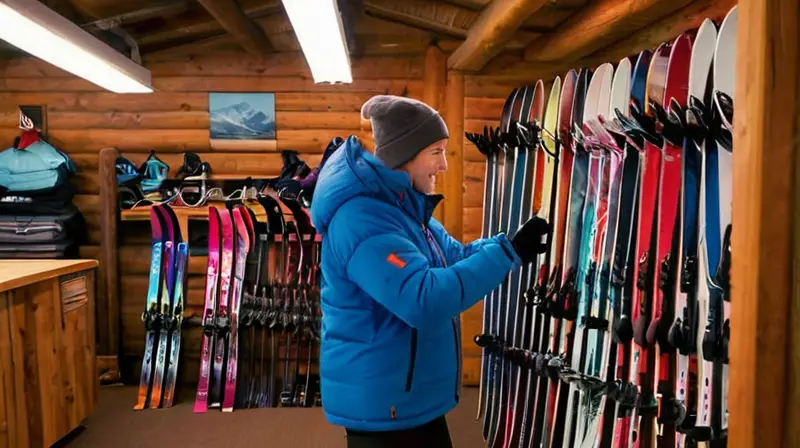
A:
x,y
393,286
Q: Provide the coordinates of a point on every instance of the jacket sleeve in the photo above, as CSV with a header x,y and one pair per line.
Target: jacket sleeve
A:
x,y
453,249
396,274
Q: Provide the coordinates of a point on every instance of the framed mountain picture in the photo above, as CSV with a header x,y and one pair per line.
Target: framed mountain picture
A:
x,y
242,120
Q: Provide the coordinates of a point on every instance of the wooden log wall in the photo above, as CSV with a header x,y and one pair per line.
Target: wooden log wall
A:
x,y
82,119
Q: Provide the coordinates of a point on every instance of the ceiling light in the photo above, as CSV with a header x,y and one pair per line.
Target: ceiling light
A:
x,y
42,32
318,26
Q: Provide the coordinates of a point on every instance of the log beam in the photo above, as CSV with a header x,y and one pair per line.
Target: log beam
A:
x,y
490,33
235,22
171,8
201,29
476,5
687,18
448,20
454,176
598,25
764,291
435,80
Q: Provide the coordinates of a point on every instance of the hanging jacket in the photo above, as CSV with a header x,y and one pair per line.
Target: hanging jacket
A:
x,y
393,286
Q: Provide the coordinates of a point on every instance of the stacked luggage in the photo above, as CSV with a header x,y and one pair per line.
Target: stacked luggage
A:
x,y
37,216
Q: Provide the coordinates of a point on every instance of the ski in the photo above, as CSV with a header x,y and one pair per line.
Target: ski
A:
x,y
598,94
535,334
622,184
244,238
623,286
642,360
724,84
210,309
150,316
222,321
173,321
715,231
550,280
489,146
685,324
667,237
497,408
566,304
531,168
164,306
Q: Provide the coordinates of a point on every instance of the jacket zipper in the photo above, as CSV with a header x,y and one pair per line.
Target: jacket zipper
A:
x,y
454,321
412,360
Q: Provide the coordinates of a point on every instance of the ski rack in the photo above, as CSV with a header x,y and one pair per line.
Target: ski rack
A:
x,y
273,211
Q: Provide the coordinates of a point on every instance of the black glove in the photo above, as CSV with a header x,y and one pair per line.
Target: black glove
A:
x,y
530,239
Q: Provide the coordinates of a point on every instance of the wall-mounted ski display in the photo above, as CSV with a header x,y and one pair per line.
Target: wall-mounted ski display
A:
x,y
261,318
618,335
259,344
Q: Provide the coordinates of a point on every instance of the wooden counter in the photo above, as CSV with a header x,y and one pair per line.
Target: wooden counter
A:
x,y
48,382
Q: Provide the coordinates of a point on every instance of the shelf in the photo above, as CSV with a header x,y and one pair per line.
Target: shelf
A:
x,y
185,214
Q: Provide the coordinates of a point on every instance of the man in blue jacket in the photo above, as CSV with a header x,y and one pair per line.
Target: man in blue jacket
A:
x,y
394,282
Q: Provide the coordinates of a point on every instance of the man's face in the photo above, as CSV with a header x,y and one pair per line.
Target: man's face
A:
x,y
424,168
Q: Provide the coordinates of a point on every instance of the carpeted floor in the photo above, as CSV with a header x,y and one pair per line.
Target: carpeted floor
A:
x,y
115,424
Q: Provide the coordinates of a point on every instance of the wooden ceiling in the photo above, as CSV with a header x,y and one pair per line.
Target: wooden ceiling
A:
x,y
261,26
511,38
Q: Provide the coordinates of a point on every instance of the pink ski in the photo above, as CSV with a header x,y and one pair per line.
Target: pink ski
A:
x,y
212,286
244,239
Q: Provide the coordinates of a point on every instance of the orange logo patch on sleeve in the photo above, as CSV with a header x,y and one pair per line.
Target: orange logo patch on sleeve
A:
x,y
396,261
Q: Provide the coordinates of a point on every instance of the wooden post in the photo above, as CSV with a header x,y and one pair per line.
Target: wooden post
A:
x,y
454,182
435,79
763,390
107,309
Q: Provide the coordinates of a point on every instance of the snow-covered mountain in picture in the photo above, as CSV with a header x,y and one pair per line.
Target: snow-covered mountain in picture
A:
x,y
242,116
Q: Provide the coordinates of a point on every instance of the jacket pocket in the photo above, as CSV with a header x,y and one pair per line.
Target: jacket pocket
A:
x,y
412,359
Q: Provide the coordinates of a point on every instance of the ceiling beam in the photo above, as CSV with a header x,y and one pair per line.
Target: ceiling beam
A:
x,y
65,8
190,48
199,29
235,22
598,25
471,4
490,33
688,18
169,8
351,11
445,19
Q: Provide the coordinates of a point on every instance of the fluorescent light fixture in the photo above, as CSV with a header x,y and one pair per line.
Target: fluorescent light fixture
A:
x,y
318,26
42,32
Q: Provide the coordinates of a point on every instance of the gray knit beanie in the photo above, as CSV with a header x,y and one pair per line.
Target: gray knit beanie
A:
x,y
402,127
